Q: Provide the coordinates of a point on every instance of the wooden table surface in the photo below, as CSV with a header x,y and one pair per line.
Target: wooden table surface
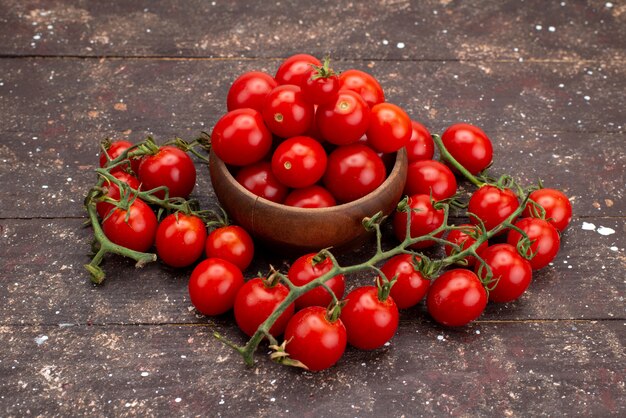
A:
x,y
545,79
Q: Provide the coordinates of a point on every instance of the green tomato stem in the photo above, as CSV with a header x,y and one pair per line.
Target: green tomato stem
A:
x,y
445,154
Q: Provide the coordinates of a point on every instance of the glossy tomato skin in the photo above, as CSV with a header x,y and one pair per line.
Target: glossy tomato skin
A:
x,y
430,177
456,298
259,179
138,233
286,113
314,340
556,205
469,145
411,286
389,128
114,151
492,205
512,272
249,90
421,145
213,286
299,162
170,167
370,322
424,220
364,84
310,197
231,243
296,69
180,239
353,171
464,238
255,302
113,191
322,89
303,271
343,120
546,240
241,138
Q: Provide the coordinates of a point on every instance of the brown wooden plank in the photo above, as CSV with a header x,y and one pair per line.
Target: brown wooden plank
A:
x,y
425,30
494,369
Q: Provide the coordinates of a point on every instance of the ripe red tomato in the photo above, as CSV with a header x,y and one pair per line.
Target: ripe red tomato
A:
x,y
299,162
138,232
170,167
464,238
180,239
113,191
389,128
353,171
115,150
255,302
456,298
320,88
557,206
286,113
512,272
310,197
231,243
296,69
424,220
259,179
314,340
343,120
544,237
421,145
249,90
370,322
492,205
468,145
411,286
213,286
431,178
241,138
303,271
364,84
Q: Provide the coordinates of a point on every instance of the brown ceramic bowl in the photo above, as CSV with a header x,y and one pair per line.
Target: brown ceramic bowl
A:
x,y
297,230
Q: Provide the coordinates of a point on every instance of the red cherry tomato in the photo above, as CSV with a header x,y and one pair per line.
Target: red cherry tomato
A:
x,y
303,271
180,239
464,238
170,167
411,286
556,205
389,128
213,286
364,84
249,91
255,302
456,298
310,197
320,88
344,119
370,322
259,179
544,237
115,150
421,145
136,233
468,145
231,243
241,138
314,340
286,113
353,171
299,162
430,177
424,220
296,69
492,205
511,272
113,191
